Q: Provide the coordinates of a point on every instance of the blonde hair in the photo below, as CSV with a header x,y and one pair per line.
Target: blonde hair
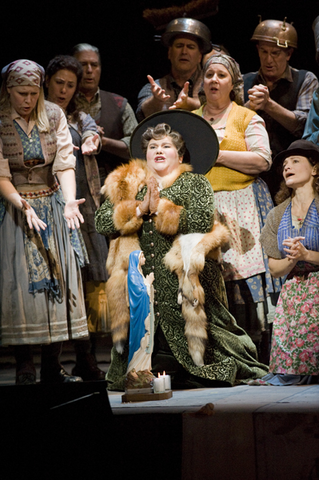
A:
x,y
38,114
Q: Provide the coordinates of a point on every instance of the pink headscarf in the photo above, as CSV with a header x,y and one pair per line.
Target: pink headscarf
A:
x,y
23,73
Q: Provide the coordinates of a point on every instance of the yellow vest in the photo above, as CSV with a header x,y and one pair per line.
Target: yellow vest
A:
x,y
224,178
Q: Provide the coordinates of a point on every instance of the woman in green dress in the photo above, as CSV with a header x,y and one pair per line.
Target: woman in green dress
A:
x,y
160,205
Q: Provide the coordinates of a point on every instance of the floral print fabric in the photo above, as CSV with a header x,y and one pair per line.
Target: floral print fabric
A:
x,y
295,344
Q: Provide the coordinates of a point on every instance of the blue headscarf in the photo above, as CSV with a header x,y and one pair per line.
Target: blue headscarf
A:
x,y
139,303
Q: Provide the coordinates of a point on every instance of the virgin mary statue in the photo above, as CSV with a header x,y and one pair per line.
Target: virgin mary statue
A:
x,y
140,293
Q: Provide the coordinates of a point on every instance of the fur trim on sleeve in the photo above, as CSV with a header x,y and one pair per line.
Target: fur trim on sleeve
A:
x,y
167,220
125,219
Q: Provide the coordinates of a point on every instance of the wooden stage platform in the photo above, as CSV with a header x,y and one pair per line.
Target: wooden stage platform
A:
x,y
239,433
83,432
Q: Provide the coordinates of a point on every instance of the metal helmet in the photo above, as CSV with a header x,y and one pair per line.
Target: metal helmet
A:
x,y
189,26
282,34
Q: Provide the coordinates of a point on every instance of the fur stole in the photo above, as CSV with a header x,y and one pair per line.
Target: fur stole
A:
x,y
122,186
187,259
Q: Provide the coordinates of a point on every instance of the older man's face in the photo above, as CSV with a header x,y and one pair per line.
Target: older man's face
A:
x,y
184,55
91,70
273,60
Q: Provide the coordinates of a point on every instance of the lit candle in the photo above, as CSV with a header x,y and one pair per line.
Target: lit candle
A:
x,y
159,384
167,381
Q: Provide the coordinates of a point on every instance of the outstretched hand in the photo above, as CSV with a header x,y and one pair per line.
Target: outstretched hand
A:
x,y
32,218
182,100
72,213
90,145
157,91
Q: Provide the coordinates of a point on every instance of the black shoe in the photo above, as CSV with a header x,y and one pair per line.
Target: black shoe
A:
x,y
60,377
86,367
26,379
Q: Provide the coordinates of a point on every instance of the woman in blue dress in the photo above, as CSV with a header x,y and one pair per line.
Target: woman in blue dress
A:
x,y
291,241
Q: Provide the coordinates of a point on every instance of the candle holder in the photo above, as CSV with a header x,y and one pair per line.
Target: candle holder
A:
x,y
144,387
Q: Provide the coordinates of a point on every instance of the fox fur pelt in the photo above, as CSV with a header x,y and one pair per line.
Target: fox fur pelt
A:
x,y
187,259
121,186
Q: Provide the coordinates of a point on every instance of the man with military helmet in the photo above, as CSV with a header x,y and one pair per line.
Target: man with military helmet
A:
x,y
187,41
281,94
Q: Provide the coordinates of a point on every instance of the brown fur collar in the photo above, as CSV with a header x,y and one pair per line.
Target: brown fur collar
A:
x,y
127,180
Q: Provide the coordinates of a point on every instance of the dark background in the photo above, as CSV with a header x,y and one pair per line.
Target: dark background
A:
x,y
41,30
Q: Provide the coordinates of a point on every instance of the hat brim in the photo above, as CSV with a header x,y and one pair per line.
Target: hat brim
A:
x,y
302,152
200,138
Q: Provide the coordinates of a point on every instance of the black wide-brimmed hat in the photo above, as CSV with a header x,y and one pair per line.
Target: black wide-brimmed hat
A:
x,y
201,141
301,147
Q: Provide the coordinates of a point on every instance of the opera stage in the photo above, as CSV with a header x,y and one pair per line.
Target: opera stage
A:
x,y
79,431
244,433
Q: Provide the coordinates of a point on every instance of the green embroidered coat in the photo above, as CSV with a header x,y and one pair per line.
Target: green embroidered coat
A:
x,y
230,355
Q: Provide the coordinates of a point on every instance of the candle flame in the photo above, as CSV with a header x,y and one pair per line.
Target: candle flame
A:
x,y
164,373
159,375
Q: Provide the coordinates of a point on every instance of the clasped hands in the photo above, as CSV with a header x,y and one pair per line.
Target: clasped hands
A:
x,y
150,202
295,249
150,278
258,97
